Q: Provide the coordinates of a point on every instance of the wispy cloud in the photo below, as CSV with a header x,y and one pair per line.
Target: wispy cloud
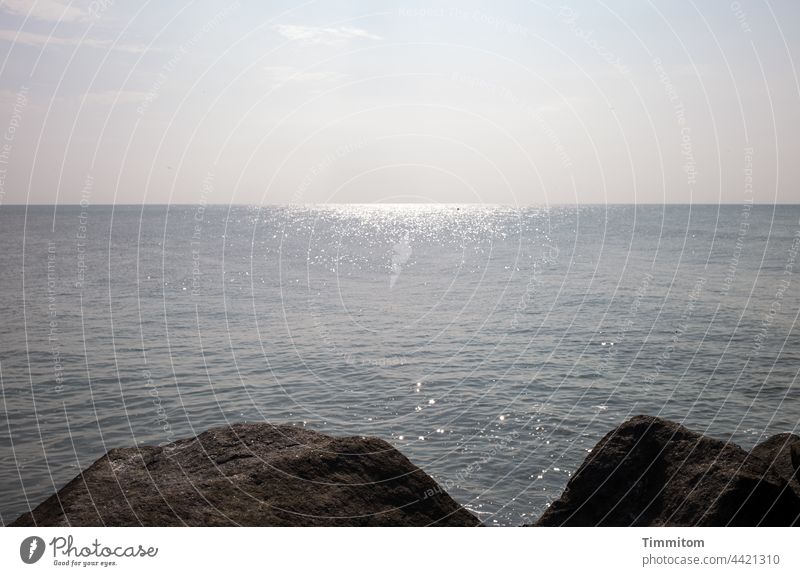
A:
x,y
47,41
320,35
286,74
47,10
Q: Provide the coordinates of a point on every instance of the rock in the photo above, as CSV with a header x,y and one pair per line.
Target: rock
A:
x,y
796,460
653,472
780,452
253,475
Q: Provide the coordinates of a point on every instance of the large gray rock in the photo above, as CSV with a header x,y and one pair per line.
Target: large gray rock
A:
x,y
653,472
254,475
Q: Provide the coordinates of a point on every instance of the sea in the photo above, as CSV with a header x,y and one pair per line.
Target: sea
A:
x,y
493,345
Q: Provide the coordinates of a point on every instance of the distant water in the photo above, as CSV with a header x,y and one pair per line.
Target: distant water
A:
x,y
493,346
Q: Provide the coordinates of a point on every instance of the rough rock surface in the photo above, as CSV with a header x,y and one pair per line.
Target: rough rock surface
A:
x,y
255,475
777,451
653,472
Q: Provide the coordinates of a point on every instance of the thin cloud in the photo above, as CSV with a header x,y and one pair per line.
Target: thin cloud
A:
x,y
285,74
45,41
324,36
46,10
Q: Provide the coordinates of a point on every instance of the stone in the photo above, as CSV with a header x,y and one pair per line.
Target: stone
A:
x,y
777,452
253,475
653,472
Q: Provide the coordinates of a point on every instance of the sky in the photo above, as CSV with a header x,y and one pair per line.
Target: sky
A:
x,y
516,102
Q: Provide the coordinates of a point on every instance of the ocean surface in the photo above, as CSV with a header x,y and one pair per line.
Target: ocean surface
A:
x,y
494,346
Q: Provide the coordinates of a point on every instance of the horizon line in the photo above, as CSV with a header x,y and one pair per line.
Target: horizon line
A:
x,y
285,204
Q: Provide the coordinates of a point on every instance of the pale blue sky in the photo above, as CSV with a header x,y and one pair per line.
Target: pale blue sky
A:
x,y
516,102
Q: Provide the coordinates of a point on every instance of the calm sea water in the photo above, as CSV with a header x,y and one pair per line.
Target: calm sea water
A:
x,y
493,346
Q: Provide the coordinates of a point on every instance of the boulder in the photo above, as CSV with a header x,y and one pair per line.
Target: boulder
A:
x,y
653,472
253,475
778,452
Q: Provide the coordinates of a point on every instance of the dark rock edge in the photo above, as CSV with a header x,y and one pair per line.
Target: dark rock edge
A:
x,y
653,472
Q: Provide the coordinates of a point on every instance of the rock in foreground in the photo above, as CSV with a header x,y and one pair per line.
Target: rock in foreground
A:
x,y
653,472
782,453
253,475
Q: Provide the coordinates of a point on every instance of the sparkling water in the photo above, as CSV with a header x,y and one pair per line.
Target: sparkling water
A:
x,y
494,346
